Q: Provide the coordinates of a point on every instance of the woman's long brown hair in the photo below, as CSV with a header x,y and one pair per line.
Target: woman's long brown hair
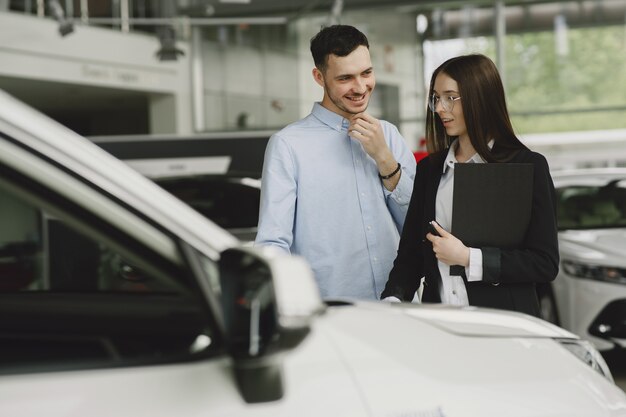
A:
x,y
484,109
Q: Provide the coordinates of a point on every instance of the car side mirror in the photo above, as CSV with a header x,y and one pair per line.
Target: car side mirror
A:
x,y
269,300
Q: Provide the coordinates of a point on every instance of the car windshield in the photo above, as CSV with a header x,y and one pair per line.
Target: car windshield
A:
x,y
592,206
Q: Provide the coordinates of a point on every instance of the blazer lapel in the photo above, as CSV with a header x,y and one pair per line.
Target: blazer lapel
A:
x,y
433,184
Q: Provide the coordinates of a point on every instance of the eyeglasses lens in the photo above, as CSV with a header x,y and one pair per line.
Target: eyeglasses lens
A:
x,y
446,103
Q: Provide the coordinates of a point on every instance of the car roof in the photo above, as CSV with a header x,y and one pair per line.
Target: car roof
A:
x,y
98,168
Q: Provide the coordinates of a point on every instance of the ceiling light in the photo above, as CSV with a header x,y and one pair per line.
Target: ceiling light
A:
x,y
421,24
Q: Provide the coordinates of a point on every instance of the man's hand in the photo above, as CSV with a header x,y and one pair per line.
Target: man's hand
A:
x,y
367,130
448,249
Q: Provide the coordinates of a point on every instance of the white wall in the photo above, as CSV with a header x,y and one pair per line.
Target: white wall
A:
x,y
31,48
259,82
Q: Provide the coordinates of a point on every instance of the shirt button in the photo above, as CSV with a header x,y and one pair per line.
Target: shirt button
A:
x,y
454,292
369,227
375,259
362,194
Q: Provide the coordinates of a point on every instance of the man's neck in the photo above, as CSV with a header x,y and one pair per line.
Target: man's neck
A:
x,y
330,106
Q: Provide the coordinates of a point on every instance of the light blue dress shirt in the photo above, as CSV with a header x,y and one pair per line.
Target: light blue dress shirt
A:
x,y
321,198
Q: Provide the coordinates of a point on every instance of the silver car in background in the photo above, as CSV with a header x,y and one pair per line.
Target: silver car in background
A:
x,y
589,294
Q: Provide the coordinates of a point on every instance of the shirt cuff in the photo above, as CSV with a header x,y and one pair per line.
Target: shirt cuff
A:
x,y
474,272
402,193
392,299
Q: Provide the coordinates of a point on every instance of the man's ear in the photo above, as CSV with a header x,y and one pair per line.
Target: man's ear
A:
x,y
318,76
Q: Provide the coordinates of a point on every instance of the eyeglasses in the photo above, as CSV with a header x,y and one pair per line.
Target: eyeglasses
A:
x,y
447,102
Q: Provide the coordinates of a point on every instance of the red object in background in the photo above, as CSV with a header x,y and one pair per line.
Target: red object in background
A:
x,y
421,152
419,155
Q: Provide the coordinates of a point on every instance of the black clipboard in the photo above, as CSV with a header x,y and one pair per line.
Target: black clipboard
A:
x,y
491,205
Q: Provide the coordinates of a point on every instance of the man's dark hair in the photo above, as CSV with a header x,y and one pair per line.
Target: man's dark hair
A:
x,y
338,40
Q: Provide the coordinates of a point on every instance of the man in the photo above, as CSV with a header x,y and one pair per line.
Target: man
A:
x,y
336,185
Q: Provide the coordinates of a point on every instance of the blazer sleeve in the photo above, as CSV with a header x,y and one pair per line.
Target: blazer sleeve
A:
x,y
408,266
538,259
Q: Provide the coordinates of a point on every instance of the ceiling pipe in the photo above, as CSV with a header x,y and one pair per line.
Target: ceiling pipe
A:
x,y
193,21
527,17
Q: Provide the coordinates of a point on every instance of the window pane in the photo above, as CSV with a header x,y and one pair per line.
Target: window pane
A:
x,y
579,88
563,60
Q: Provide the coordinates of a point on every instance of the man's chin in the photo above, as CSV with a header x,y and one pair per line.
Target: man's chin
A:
x,y
357,108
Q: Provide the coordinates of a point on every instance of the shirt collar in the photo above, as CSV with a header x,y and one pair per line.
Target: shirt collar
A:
x,y
329,118
451,159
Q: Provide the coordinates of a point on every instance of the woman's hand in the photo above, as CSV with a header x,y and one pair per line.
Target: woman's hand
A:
x,y
448,249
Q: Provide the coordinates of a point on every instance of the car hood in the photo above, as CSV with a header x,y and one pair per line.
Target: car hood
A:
x,y
445,361
596,246
470,321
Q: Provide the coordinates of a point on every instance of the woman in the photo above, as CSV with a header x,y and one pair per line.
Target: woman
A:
x,y
468,121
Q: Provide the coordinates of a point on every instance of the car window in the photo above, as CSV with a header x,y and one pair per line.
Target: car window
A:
x,y
592,207
69,300
41,253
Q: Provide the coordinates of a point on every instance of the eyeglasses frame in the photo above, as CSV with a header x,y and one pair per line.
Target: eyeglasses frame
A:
x,y
432,104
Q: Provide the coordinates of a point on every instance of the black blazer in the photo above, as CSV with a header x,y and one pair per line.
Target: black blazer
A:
x,y
509,275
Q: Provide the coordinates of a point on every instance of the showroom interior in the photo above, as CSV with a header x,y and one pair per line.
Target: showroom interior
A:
x,y
182,88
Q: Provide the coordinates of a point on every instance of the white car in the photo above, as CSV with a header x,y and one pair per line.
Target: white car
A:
x,y
589,294
117,299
